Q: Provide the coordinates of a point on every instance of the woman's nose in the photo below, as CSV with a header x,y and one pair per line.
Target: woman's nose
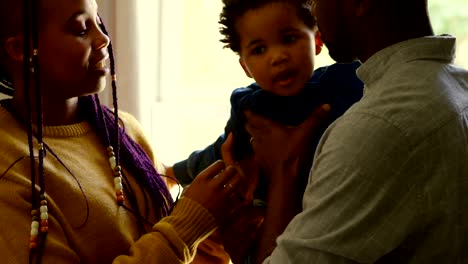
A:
x,y
102,40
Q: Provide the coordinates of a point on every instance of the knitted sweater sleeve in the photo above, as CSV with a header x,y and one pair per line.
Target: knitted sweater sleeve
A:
x,y
73,237
174,239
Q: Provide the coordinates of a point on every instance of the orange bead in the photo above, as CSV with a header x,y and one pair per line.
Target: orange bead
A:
x,y
119,193
44,222
44,229
120,199
32,244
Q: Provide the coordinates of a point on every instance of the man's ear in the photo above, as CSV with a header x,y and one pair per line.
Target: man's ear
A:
x,y
364,7
318,43
246,70
15,48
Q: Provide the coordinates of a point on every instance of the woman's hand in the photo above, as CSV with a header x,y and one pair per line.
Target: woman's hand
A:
x,y
218,188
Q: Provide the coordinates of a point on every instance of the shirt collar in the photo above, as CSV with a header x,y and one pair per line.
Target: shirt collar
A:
x,y
440,47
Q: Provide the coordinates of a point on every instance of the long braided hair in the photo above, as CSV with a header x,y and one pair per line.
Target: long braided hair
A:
x,y
132,156
104,121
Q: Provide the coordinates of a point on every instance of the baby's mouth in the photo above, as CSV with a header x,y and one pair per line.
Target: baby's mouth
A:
x,y
284,78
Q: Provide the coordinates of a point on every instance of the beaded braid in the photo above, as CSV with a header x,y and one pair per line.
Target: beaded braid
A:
x,y
114,157
40,119
39,229
129,152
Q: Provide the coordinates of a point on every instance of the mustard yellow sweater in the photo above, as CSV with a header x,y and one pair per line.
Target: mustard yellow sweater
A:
x,y
85,223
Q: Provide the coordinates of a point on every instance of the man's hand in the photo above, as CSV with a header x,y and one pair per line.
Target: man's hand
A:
x,y
284,154
240,234
278,147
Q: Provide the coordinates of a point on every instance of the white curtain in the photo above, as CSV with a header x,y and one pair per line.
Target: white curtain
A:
x,y
122,22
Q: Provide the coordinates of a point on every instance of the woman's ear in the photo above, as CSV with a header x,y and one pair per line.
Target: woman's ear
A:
x,y
15,48
244,67
318,43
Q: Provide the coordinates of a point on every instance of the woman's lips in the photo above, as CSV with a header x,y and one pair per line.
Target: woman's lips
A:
x,y
100,65
100,68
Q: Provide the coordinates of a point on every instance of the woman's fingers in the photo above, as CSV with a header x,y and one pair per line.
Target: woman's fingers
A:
x,y
231,179
226,150
211,171
227,175
220,189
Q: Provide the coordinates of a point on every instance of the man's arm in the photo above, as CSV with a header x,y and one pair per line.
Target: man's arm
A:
x,y
284,154
361,201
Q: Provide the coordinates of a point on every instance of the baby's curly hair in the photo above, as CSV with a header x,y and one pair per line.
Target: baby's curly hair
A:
x,y
233,9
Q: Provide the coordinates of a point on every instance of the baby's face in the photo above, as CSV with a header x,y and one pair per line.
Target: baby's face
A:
x,y
277,49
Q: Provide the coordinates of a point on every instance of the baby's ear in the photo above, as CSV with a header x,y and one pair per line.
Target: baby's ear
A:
x,y
318,43
15,48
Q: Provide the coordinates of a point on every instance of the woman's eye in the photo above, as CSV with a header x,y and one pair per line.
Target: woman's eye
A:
x,y
82,32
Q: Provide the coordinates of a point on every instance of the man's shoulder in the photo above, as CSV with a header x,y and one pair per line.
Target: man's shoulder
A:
x,y
336,69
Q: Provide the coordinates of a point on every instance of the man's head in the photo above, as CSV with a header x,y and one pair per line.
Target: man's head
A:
x,y
358,28
275,40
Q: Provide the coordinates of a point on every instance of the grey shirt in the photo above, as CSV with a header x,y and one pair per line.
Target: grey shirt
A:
x,y
389,182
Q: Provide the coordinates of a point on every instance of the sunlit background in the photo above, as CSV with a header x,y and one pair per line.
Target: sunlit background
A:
x,y
197,75
176,78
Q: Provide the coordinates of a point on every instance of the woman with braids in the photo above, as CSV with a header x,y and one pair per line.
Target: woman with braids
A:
x,y
77,180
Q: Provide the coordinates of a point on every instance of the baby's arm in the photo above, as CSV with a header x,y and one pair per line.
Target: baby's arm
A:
x,y
185,171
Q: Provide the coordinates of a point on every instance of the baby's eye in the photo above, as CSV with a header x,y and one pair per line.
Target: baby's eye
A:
x,y
289,38
258,50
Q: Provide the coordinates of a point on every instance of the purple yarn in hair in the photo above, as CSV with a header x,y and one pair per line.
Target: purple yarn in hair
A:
x,y
132,156
128,153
